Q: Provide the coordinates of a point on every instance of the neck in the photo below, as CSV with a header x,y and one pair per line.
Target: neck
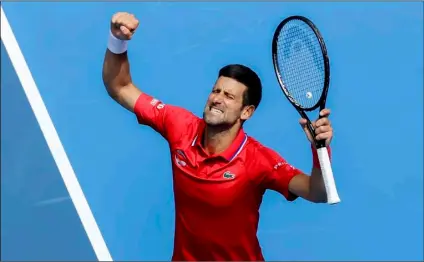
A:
x,y
218,139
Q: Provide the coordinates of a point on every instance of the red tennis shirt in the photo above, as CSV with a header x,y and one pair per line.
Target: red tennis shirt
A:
x,y
217,197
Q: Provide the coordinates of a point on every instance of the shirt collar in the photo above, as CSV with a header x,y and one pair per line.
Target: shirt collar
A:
x,y
231,152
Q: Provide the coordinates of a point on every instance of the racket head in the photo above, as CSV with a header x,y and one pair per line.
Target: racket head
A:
x,y
295,33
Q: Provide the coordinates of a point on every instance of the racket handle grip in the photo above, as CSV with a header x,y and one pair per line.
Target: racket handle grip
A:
x,y
327,176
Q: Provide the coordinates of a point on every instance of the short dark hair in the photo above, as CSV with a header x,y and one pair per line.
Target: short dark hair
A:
x,y
247,77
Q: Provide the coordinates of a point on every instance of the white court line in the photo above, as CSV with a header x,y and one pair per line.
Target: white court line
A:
x,y
53,141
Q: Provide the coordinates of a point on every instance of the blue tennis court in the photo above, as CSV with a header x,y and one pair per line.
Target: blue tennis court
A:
x,y
81,180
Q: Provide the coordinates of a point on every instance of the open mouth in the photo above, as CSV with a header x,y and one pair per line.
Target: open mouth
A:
x,y
216,110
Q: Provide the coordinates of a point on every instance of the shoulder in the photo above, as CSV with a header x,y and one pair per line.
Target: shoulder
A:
x,y
172,121
269,170
261,157
261,160
149,104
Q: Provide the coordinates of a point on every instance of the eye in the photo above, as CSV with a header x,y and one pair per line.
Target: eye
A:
x,y
230,96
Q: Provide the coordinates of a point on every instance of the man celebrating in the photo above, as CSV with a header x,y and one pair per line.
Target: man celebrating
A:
x,y
220,174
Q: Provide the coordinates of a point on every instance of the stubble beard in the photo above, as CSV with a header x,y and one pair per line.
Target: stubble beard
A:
x,y
215,122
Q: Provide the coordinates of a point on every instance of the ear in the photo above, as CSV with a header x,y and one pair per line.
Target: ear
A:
x,y
247,112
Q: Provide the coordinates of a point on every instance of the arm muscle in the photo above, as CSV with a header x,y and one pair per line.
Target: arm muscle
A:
x,y
310,187
117,80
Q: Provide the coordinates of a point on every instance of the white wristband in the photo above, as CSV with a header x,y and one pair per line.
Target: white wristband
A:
x,y
117,46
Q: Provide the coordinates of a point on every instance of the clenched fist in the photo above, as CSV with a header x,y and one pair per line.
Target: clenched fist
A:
x,y
323,128
123,25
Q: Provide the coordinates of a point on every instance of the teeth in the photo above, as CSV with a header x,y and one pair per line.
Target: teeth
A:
x,y
216,110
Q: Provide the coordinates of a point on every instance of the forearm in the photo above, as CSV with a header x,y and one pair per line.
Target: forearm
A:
x,y
316,186
116,67
116,75
116,71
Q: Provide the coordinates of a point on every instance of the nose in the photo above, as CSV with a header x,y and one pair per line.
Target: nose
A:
x,y
217,98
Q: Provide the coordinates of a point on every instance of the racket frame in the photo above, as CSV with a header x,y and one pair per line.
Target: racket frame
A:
x,y
323,156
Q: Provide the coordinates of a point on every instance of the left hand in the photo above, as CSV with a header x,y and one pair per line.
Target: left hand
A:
x,y
323,128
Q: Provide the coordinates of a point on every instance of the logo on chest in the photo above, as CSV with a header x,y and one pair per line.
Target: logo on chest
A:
x,y
180,158
228,175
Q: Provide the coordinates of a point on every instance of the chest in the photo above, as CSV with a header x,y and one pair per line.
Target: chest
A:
x,y
209,182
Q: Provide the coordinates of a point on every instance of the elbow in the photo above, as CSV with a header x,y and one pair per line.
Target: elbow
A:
x,y
112,87
112,90
318,198
320,201
113,93
107,83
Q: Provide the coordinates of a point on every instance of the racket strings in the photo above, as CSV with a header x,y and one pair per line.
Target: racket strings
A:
x,y
301,63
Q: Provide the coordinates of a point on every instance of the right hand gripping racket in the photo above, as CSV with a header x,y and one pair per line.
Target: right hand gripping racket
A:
x,y
302,68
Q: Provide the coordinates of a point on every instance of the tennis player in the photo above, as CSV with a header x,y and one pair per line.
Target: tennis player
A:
x,y
219,172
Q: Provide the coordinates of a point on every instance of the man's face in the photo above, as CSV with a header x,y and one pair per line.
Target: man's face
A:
x,y
224,106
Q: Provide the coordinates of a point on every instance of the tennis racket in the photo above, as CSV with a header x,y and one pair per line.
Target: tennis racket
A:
x,y
302,68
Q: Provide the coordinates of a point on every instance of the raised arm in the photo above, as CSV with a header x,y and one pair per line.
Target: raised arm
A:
x,y
170,121
116,68
292,182
312,187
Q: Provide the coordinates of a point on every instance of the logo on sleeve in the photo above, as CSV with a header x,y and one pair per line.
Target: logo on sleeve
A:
x,y
285,164
155,102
